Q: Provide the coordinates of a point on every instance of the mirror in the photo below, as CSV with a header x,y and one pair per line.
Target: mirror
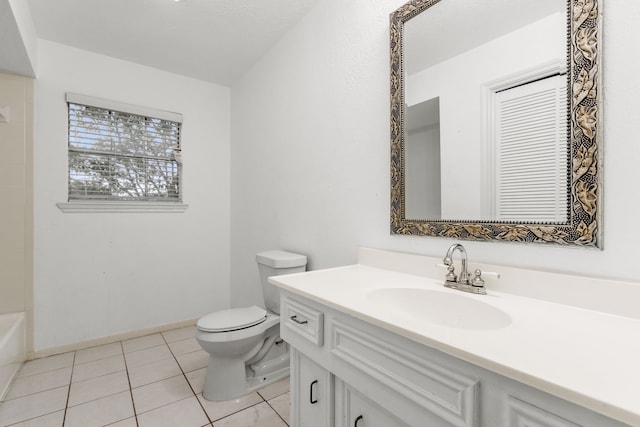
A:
x,y
495,120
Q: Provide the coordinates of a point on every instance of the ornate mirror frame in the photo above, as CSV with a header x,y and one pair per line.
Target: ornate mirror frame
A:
x,y
583,227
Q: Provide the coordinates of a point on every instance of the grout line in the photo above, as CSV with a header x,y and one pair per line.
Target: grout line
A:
x,y
184,374
16,379
19,422
277,413
126,368
66,405
238,411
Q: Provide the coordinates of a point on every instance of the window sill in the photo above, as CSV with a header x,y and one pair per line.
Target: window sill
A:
x,y
120,207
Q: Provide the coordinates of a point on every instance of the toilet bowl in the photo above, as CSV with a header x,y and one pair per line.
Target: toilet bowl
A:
x,y
244,345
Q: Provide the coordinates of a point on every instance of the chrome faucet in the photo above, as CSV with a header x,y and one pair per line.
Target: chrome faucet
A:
x,y
463,281
448,261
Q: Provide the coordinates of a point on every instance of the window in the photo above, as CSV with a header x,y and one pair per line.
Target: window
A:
x,y
123,153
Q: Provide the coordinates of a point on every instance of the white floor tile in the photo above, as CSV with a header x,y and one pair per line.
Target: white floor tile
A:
x,y
98,352
129,422
183,413
194,360
179,334
33,405
95,388
100,412
184,346
51,420
104,385
282,405
220,409
45,364
148,355
160,393
97,368
36,383
153,372
196,379
275,389
141,343
260,415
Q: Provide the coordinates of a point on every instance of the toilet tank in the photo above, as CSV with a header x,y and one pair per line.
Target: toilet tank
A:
x,y
275,263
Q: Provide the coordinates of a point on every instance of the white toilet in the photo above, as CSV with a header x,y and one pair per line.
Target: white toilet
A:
x,y
244,345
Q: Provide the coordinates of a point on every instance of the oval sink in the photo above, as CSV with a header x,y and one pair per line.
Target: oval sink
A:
x,y
442,308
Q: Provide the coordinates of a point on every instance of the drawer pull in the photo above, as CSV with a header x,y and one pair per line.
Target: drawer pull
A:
x,y
311,399
299,322
360,417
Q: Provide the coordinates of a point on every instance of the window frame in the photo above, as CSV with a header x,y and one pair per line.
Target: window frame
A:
x,y
114,205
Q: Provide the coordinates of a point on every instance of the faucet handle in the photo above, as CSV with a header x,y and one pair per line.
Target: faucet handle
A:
x,y
477,280
451,275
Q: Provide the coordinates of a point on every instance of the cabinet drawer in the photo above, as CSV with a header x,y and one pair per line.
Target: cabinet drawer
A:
x,y
302,320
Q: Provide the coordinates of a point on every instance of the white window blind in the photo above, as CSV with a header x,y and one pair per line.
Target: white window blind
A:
x,y
531,147
119,152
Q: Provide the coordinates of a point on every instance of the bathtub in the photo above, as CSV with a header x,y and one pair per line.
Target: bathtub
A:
x,y
12,348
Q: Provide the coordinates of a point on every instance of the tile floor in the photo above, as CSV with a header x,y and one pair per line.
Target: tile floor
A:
x,y
151,381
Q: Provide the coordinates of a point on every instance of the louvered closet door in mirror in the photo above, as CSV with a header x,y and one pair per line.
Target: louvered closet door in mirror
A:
x,y
531,171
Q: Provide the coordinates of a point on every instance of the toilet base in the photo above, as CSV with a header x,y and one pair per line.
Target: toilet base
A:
x,y
230,378
225,379
267,372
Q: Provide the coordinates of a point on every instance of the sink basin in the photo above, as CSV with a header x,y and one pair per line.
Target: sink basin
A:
x,y
456,310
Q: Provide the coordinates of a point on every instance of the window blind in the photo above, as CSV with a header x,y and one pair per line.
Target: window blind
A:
x,y
532,171
118,155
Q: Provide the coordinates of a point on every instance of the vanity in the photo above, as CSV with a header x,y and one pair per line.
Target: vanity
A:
x,y
384,343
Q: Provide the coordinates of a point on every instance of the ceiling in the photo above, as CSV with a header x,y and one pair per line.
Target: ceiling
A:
x,y
211,40
450,28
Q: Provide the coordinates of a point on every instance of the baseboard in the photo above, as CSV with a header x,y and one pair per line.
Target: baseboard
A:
x,y
109,339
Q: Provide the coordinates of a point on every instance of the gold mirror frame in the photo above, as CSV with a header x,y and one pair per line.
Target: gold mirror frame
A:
x,y
583,227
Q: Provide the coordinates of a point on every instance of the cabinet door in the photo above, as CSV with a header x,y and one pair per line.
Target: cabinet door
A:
x,y
355,410
311,393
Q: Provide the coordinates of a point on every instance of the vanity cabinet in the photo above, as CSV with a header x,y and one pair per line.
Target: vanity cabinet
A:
x,y
311,391
348,372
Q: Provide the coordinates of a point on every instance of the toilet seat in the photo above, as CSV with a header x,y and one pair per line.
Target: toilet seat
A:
x,y
232,319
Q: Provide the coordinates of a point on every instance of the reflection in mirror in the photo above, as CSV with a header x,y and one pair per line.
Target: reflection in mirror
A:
x,y
485,142
422,154
513,45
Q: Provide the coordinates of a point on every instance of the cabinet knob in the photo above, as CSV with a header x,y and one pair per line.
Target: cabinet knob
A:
x,y
355,423
311,399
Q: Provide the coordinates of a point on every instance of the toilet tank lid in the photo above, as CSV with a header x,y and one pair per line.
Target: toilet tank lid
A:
x,y
281,259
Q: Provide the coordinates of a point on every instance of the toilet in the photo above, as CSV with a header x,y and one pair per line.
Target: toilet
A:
x,y
244,345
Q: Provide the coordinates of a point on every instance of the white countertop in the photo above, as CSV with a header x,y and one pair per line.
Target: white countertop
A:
x,y
587,357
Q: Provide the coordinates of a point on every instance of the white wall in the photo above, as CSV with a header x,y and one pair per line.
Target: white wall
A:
x,y
18,50
98,274
310,153
16,169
